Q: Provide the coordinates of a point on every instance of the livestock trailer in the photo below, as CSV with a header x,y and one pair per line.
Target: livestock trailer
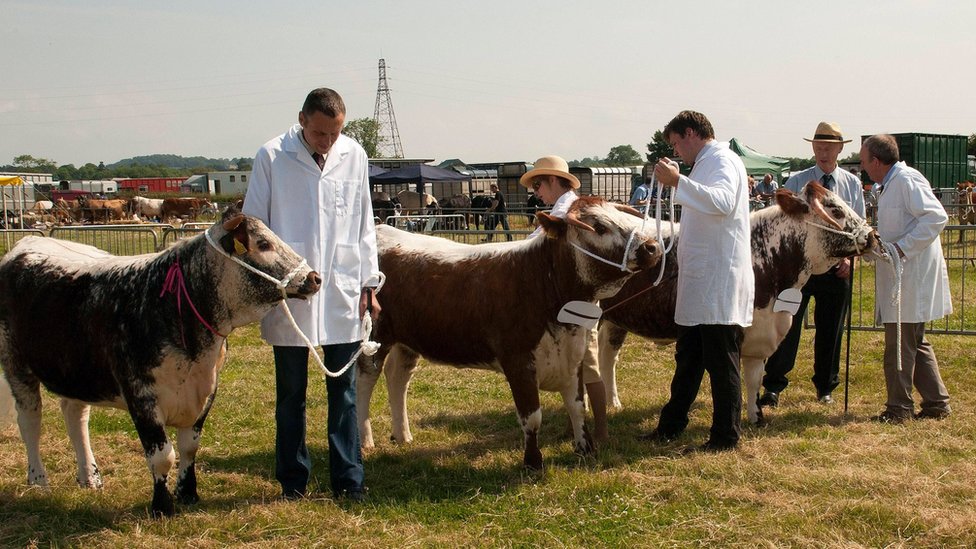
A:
x,y
941,158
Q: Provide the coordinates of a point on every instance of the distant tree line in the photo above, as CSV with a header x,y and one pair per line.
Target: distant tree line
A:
x,y
154,165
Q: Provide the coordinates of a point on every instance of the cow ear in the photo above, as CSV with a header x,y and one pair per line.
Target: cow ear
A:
x,y
790,203
231,212
553,226
236,239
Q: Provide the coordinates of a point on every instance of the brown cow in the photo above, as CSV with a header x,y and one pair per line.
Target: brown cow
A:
x,y
510,295
180,208
98,210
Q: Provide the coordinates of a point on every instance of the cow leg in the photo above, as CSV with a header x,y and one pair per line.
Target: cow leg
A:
x,y
399,367
76,414
27,401
611,340
520,375
160,455
368,370
188,442
573,400
752,369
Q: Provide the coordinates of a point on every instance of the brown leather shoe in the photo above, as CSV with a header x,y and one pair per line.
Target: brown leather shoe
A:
x,y
932,414
890,418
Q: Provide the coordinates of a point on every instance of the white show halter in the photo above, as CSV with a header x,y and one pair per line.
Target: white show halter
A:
x,y
367,347
848,234
622,265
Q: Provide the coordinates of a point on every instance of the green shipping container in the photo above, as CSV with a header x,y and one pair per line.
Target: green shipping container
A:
x,y
940,158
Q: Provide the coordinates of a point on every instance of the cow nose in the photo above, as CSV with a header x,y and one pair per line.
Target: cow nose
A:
x,y
648,254
313,281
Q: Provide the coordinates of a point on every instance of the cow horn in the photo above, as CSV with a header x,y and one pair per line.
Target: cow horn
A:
x,y
822,213
572,219
232,222
627,209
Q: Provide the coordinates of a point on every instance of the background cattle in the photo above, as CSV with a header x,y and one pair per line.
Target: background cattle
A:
x,y
458,206
479,208
412,203
148,209
493,327
383,205
96,210
134,344
790,241
184,208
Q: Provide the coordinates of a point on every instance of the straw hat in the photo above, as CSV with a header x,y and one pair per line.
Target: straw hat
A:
x,y
827,132
549,165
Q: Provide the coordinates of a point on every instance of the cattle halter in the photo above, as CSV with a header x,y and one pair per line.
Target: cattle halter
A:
x,y
367,347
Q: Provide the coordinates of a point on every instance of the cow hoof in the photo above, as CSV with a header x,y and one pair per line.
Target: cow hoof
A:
x,y
533,459
584,447
162,502
760,420
188,498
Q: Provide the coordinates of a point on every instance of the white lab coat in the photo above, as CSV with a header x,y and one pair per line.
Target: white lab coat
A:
x,y
327,217
716,284
910,216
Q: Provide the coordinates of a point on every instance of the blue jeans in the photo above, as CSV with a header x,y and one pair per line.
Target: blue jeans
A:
x,y
292,463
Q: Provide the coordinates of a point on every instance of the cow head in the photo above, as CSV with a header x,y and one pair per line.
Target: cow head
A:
x,y
249,242
842,232
608,242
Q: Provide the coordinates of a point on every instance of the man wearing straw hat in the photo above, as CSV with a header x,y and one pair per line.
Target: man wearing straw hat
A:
x,y
830,289
551,181
716,285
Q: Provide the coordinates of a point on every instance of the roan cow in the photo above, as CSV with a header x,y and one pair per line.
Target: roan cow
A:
x,y
511,293
800,236
135,344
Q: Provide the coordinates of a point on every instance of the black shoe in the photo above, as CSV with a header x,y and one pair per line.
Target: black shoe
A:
x,y
825,399
352,496
658,436
890,418
292,495
932,414
710,447
770,399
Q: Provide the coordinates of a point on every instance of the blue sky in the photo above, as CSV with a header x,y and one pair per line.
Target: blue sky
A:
x,y
479,81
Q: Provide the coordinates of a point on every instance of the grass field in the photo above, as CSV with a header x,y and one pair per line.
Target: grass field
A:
x,y
813,478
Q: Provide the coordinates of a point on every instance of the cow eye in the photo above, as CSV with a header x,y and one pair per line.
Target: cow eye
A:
x,y
600,228
265,246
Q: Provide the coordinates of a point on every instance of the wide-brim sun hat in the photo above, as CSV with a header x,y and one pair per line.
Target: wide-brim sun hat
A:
x,y
549,165
828,132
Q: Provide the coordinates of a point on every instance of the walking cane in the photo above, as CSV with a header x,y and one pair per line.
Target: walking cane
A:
x,y
850,313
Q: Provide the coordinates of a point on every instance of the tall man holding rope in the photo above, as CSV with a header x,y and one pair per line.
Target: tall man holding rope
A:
x,y
311,187
831,290
716,283
910,218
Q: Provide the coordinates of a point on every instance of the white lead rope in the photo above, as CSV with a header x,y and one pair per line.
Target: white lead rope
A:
x,y
892,256
657,214
366,347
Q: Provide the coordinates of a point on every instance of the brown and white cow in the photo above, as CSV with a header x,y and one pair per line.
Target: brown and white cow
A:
x,y
967,206
185,207
148,336
799,236
509,295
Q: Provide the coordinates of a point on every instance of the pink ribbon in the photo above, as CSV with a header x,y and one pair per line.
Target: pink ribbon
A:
x,y
175,284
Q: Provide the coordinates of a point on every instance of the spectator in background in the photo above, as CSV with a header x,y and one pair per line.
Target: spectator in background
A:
x,y
766,188
641,195
830,289
497,213
911,217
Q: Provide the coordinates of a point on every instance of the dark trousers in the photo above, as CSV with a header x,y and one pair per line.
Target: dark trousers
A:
x,y
829,316
714,349
493,220
292,463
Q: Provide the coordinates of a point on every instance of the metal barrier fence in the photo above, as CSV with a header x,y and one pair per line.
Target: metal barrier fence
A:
x,y
115,239
12,236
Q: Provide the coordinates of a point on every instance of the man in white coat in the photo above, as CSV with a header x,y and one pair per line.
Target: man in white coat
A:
x,y
910,217
310,185
716,286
